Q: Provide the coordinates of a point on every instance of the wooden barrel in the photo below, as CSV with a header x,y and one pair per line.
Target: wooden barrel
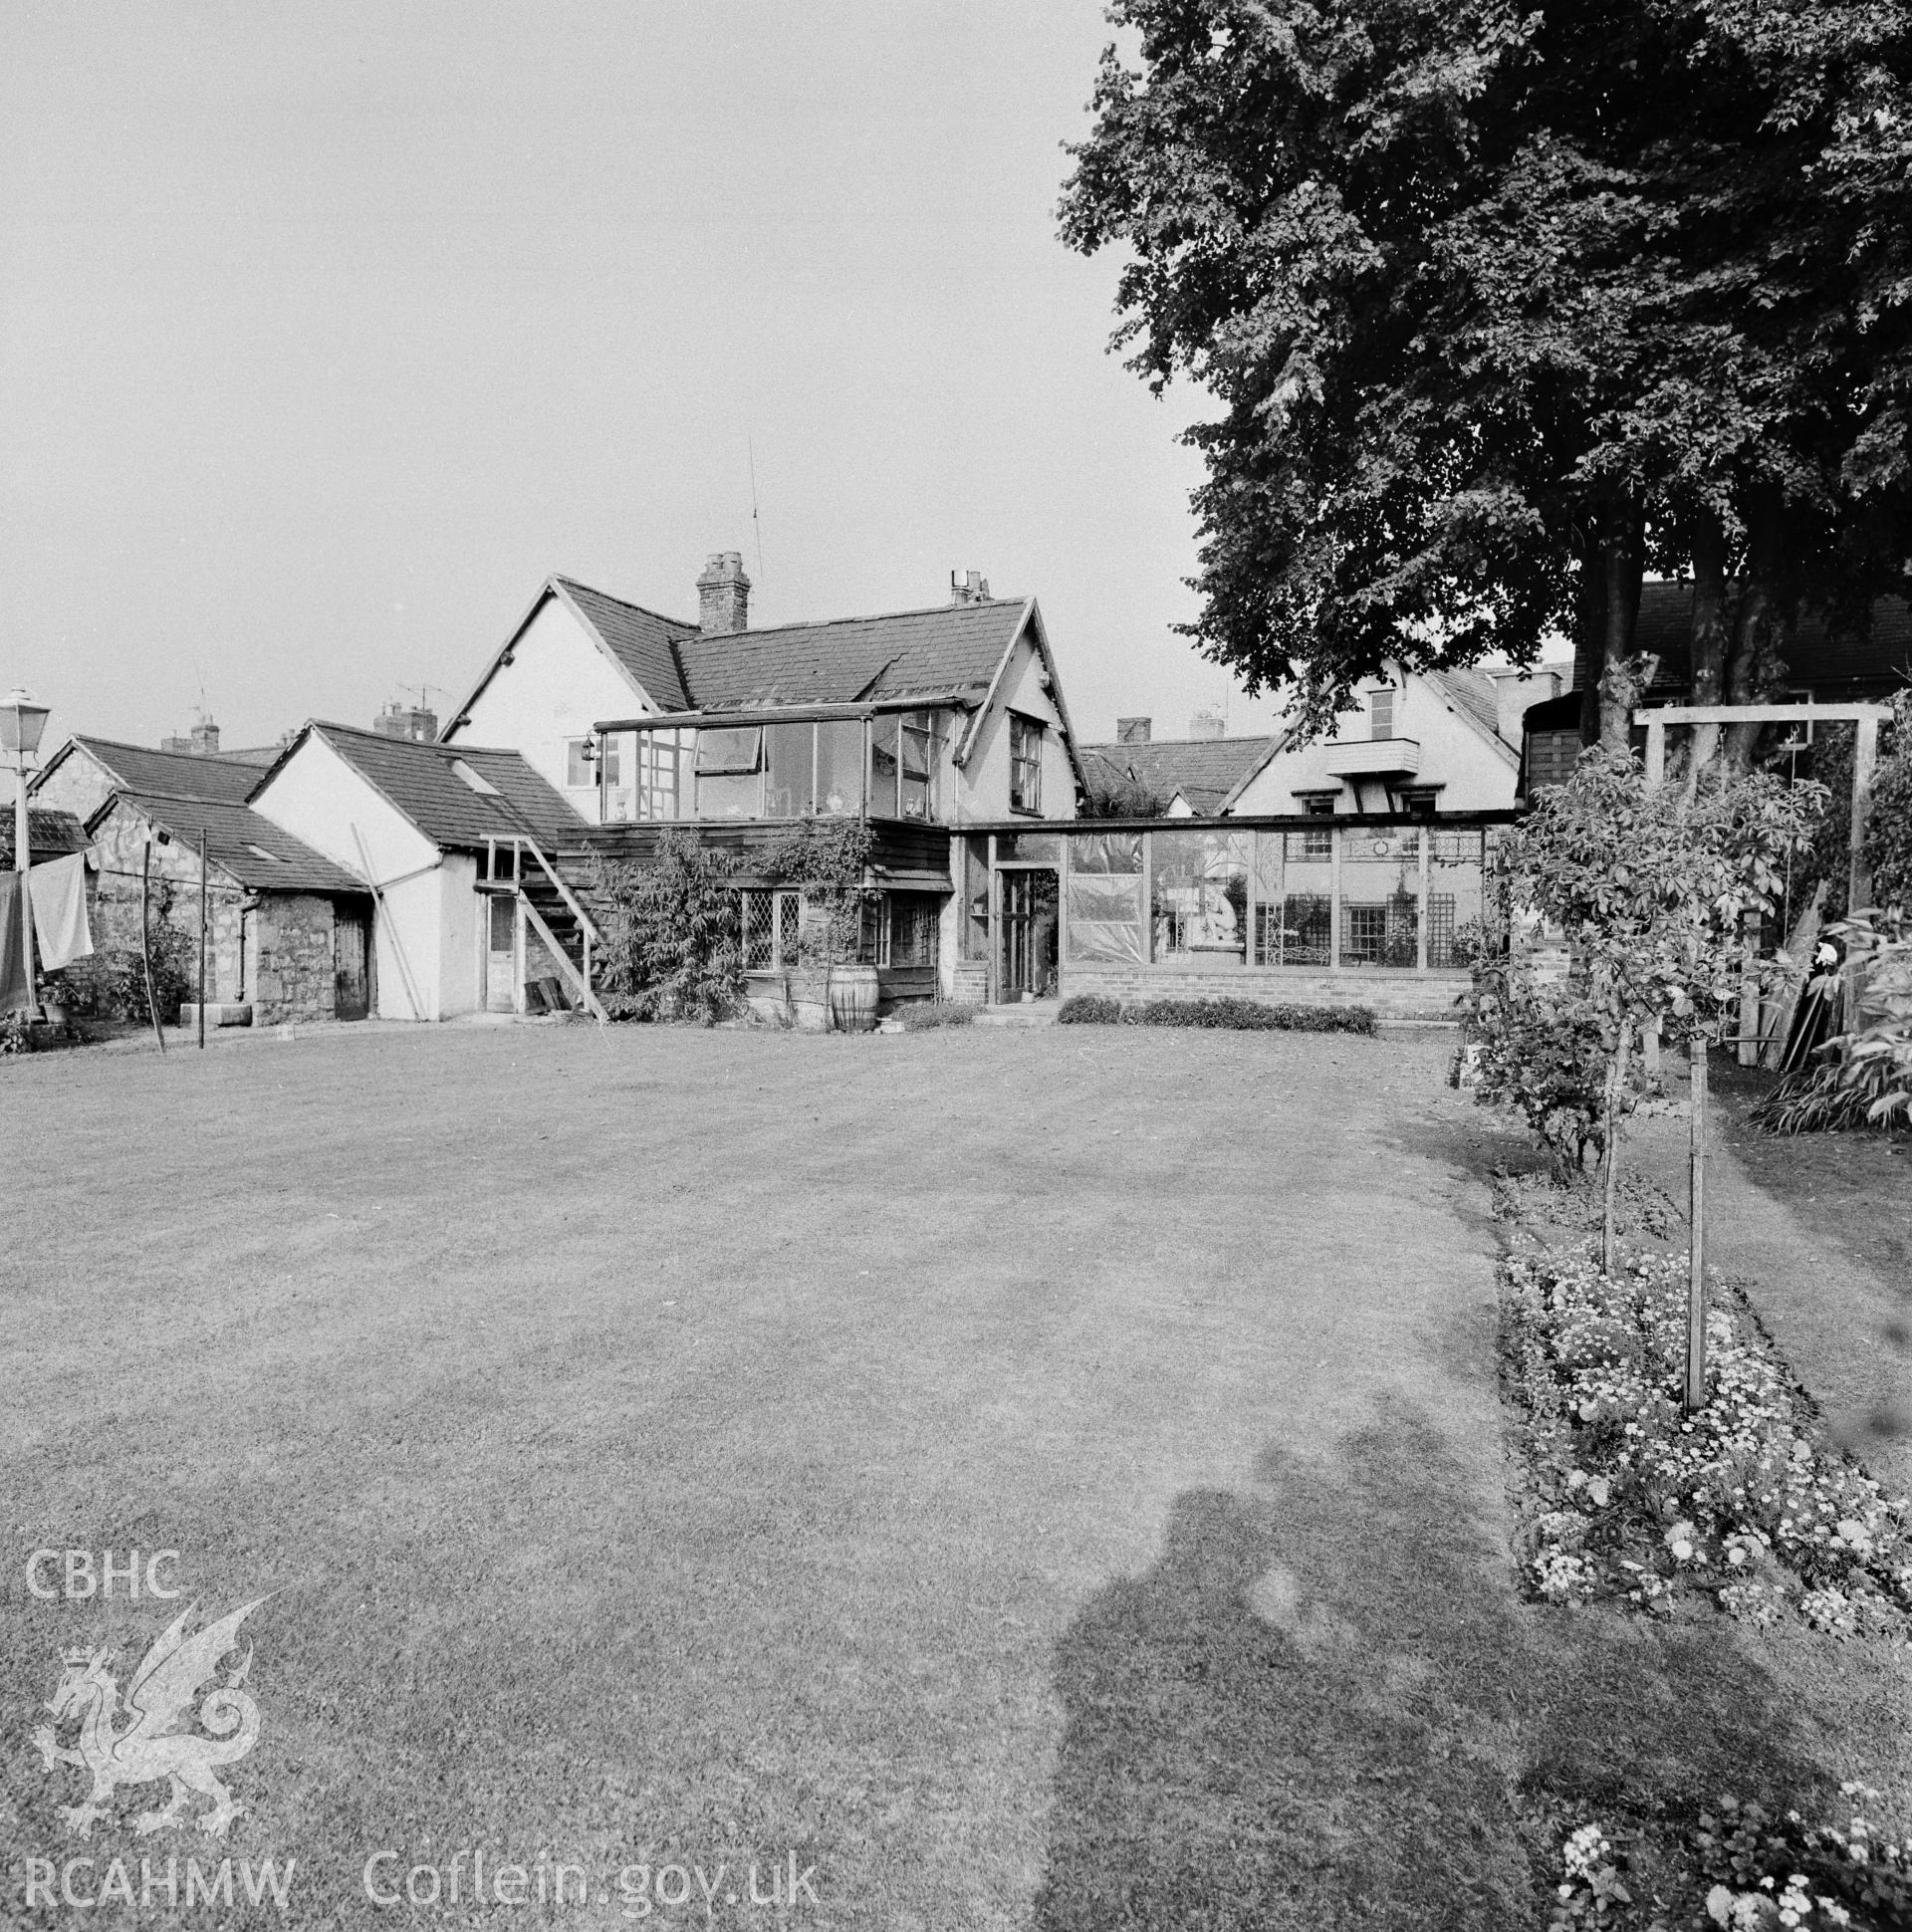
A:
x,y
852,998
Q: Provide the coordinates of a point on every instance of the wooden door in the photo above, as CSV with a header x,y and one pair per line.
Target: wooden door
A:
x,y
350,963
1029,933
501,956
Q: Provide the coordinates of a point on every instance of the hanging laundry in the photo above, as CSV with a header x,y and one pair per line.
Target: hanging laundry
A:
x,y
13,964
59,891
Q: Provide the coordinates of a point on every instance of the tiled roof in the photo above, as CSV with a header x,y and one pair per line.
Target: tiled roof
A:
x,y
421,782
1204,770
50,835
954,647
1835,666
178,774
1475,694
232,831
640,640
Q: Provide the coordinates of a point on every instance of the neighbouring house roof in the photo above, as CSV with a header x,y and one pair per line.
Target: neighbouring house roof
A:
x,y
50,835
242,842
952,648
1473,692
1840,666
422,783
177,774
1205,771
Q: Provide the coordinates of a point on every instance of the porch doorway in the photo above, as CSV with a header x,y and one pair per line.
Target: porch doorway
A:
x,y
350,964
1027,949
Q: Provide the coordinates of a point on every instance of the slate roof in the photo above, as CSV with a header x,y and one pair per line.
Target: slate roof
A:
x,y
231,829
952,648
1474,695
1836,666
177,774
50,835
420,779
643,643
1204,770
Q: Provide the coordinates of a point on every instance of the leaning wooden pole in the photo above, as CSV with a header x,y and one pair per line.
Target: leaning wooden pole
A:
x,y
202,939
1695,1395
145,943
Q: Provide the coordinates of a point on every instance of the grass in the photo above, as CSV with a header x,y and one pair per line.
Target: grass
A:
x,y
1036,1477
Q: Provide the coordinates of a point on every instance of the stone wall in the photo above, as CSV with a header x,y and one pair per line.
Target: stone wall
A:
x,y
121,843
292,975
1392,996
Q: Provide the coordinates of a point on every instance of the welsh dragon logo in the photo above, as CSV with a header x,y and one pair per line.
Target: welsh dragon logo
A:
x,y
155,1744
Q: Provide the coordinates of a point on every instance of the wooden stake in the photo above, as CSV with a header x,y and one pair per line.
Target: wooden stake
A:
x,y
1610,1202
145,943
202,939
1696,1232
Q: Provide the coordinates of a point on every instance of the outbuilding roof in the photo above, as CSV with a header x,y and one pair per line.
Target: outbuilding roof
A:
x,y
50,835
176,773
425,784
1203,770
242,842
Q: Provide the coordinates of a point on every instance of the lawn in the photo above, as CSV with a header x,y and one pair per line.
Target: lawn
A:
x,y
1041,1478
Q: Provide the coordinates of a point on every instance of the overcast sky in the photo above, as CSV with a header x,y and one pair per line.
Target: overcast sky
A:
x,y
327,333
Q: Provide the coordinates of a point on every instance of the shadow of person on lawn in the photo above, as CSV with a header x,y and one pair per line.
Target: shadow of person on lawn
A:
x,y
1324,1707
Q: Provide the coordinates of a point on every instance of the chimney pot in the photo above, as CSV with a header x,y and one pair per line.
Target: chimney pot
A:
x,y
723,594
968,586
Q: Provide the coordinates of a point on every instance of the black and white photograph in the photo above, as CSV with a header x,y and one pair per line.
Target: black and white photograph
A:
x,y
956,965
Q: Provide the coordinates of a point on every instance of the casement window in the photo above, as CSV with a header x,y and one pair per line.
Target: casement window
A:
x,y
730,764
906,752
580,764
769,921
1025,764
1380,713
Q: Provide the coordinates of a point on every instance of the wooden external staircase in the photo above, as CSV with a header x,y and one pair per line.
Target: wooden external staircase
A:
x,y
518,867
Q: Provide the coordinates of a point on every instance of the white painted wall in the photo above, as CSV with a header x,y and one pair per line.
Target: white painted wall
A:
x,y
557,686
1475,773
982,787
317,796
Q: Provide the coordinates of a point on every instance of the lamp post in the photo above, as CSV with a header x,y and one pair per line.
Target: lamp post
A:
x,y
21,723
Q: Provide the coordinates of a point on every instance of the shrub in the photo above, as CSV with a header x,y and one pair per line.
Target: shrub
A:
x,y
673,947
920,1015
1543,1051
111,984
1249,1016
1090,1010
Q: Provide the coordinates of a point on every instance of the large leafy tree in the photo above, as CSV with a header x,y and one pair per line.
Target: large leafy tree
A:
x,y
1503,304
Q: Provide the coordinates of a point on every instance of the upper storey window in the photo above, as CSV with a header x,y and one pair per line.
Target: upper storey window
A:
x,y
1025,764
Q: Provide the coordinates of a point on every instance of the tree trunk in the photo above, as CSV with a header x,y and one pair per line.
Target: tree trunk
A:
x,y
1709,636
1589,629
1611,1168
1622,564
1762,628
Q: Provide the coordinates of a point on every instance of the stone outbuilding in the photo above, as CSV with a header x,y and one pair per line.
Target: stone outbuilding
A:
x,y
289,931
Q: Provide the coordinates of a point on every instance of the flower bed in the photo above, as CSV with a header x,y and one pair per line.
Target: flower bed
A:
x,y
1628,1499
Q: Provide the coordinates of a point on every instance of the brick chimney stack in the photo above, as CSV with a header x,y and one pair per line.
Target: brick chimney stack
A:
x,y
723,594
1206,724
968,586
1131,731
203,740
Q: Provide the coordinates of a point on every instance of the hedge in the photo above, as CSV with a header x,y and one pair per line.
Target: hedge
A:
x,y
1247,1016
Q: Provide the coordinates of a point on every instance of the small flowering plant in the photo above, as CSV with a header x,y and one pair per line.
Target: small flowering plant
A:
x,y
1746,1871
1744,1500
